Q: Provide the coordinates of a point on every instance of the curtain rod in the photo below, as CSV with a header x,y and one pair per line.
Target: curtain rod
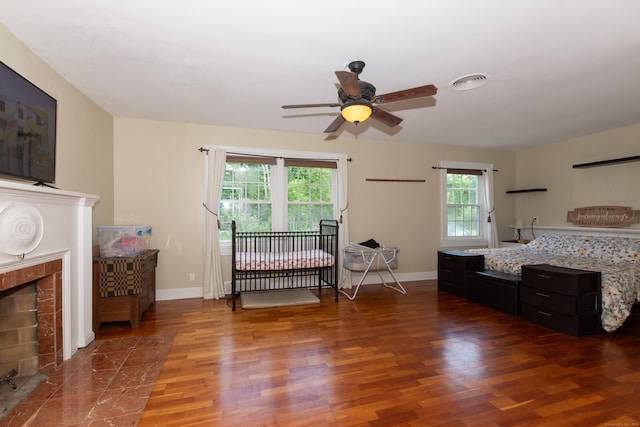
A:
x,y
471,169
206,150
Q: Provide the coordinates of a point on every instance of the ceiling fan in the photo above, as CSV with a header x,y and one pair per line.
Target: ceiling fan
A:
x,y
358,99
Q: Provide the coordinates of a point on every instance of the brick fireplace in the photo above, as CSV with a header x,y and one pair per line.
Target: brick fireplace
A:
x,y
18,337
59,263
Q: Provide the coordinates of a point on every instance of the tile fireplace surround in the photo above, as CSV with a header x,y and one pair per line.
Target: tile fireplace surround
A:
x,y
46,237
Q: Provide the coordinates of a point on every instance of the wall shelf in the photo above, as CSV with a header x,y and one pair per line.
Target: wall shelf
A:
x,y
528,190
607,162
394,180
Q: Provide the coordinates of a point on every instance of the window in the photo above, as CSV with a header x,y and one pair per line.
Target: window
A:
x,y
310,195
463,209
464,215
276,194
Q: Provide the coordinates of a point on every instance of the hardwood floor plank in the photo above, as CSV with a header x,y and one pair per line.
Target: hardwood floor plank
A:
x,y
425,358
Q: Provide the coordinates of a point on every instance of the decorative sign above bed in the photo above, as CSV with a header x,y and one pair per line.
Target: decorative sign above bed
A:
x,y
604,216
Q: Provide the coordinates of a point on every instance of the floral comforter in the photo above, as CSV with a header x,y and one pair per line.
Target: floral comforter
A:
x,y
617,258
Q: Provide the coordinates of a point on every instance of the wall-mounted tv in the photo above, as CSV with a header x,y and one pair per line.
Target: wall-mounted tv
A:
x,y
27,129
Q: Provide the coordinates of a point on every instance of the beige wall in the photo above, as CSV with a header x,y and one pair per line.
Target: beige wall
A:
x,y
148,172
84,157
551,166
159,174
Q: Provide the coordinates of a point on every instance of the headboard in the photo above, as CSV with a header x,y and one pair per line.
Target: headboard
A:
x,y
581,231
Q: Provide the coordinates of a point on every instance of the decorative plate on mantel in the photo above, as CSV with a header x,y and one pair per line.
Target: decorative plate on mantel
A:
x,y
604,216
21,229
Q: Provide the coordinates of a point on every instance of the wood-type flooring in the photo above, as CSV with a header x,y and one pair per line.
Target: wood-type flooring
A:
x,y
385,359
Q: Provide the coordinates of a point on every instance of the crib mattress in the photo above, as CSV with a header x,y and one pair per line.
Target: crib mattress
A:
x,y
268,261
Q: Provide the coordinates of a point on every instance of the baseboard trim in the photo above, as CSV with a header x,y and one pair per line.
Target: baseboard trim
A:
x,y
180,293
372,278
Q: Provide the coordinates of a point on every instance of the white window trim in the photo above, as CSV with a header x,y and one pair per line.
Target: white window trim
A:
x,y
452,242
225,247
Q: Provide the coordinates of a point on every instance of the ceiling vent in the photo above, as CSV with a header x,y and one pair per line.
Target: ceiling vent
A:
x,y
470,81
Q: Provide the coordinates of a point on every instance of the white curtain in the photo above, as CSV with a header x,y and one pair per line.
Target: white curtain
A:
x,y
343,238
492,225
213,284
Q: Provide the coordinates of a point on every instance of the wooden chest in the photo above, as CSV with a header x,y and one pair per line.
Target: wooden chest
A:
x,y
124,287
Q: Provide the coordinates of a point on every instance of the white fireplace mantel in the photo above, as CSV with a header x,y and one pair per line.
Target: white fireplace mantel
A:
x,y
66,234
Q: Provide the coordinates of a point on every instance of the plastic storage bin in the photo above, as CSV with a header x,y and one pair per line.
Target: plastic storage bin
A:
x,y
123,240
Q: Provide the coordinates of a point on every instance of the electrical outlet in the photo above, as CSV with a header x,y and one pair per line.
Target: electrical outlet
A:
x,y
534,220
192,277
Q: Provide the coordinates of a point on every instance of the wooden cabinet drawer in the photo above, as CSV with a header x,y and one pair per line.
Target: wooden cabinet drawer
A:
x,y
558,302
451,274
567,324
455,288
560,280
548,301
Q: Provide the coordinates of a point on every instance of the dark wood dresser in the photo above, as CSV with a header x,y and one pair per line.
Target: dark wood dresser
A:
x,y
566,300
453,268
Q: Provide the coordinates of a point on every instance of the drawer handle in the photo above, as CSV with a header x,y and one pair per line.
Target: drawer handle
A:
x,y
545,314
448,271
540,294
544,276
448,258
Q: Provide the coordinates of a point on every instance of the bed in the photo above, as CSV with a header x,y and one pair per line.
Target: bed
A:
x,y
267,261
616,258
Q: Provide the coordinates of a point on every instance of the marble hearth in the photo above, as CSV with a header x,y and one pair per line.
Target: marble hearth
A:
x,y
46,238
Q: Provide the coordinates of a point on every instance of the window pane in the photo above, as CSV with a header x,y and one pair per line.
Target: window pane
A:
x,y
310,197
463,209
246,198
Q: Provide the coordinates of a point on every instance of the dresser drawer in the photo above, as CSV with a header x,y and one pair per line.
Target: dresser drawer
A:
x,y
455,288
451,274
560,303
548,301
560,280
586,324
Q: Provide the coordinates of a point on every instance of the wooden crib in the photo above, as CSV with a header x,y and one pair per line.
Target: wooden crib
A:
x,y
266,261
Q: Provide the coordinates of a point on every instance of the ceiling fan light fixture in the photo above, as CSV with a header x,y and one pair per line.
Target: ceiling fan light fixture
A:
x,y
356,111
469,81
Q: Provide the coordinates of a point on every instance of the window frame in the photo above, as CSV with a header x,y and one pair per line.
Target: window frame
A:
x,y
280,156
463,241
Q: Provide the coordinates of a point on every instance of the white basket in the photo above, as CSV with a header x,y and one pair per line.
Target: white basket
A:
x,y
358,257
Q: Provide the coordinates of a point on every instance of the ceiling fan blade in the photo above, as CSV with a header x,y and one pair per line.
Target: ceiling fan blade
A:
x,y
401,95
385,117
335,125
349,83
331,104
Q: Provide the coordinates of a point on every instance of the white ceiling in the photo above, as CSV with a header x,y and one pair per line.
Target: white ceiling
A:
x,y
557,68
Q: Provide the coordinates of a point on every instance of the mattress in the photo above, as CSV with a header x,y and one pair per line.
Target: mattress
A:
x,y
271,261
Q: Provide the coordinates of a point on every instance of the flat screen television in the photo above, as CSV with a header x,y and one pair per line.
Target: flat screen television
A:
x,y
27,129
